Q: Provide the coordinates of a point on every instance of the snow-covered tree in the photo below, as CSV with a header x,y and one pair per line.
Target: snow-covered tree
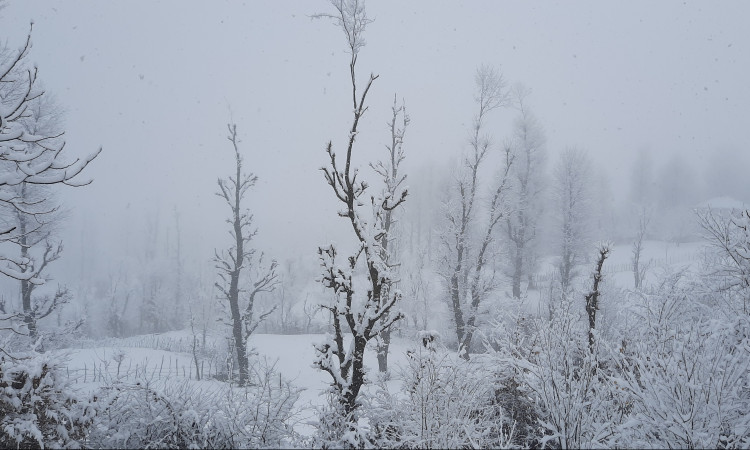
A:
x,y
592,297
729,235
242,273
393,180
639,266
33,157
31,163
364,313
526,191
572,203
468,239
36,224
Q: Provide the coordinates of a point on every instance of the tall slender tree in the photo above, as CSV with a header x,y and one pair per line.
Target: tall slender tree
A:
x,y
365,315
526,191
572,197
393,180
233,265
26,157
466,264
31,162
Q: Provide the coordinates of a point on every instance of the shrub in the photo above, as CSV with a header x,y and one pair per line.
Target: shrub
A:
x,y
163,413
37,406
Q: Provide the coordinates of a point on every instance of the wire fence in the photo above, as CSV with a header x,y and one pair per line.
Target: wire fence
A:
x,y
211,360
183,344
168,367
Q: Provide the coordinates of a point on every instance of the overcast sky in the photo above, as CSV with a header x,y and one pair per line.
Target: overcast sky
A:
x,y
155,82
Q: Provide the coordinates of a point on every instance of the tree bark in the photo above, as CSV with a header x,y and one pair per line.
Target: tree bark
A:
x,y
384,344
592,298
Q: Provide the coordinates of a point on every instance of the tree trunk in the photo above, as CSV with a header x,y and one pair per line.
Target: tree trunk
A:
x,y
517,271
592,299
234,293
464,348
458,314
384,344
26,286
358,375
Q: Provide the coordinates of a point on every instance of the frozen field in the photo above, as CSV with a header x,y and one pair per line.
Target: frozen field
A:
x,y
291,356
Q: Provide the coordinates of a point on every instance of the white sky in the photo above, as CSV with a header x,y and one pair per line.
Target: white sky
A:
x,y
155,82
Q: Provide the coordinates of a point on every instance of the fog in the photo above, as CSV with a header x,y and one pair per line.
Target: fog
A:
x,y
154,83
614,132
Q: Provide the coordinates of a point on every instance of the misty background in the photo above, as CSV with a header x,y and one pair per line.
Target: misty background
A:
x,y
644,88
225,254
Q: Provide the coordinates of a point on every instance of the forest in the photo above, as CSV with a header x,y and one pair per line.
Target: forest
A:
x,y
412,227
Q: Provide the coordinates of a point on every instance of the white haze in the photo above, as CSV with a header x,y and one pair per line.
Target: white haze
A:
x,y
155,83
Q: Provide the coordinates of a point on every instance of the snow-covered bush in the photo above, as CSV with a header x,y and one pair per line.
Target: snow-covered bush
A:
x,y
37,406
164,413
574,397
729,235
338,429
445,402
690,390
686,373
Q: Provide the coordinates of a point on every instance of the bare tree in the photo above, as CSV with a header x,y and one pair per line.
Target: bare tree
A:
x,y
521,222
27,157
239,259
640,267
364,315
466,259
592,298
729,235
179,301
393,180
35,227
572,177
31,161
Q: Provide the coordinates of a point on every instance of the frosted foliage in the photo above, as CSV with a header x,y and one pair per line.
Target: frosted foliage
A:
x,y
30,152
163,413
468,233
363,313
691,389
577,405
729,235
445,402
38,407
685,372
572,197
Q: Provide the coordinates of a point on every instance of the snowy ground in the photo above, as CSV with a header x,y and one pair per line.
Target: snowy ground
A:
x,y
168,355
291,355
658,254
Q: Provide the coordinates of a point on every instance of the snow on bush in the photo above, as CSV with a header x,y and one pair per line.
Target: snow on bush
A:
x,y
573,395
37,406
167,413
686,372
445,402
